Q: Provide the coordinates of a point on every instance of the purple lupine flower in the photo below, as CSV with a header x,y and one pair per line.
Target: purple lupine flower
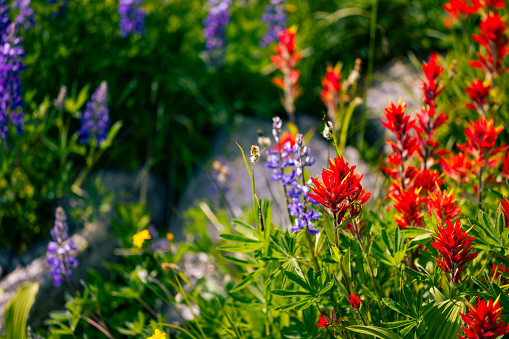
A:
x,y
297,156
214,29
275,17
61,250
95,119
132,17
11,64
305,217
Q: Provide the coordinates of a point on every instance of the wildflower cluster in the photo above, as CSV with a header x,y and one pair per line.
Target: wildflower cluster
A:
x,y
61,250
274,16
291,151
484,321
454,244
132,17
11,64
415,185
286,59
95,120
214,29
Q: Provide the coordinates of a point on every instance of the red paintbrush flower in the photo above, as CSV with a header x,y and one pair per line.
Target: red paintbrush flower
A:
x,y
331,93
408,204
325,320
505,210
492,4
431,83
492,38
454,246
505,166
400,124
339,187
354,301
442,205
287,139
457,167
428,181
286,59
478,94
457,7
481,139
484,322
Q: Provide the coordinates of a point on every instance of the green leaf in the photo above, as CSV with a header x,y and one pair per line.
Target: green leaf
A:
x,y
374,331
290,293
239,238
410,299
347,264
245,248
111,135
295,304
247,281
394,324
241,262
16,312
442,321
298,280
396,307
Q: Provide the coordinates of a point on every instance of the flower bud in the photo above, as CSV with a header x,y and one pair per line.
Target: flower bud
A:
x,y
327,130
263,141
255,154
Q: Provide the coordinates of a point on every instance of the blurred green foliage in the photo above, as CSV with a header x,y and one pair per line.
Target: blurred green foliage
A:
x,y
171,103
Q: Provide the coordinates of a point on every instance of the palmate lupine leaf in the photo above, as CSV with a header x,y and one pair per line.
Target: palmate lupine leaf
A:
x,y
442,321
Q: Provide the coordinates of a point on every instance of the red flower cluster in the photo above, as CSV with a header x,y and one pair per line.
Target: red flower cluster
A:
x,y
484,322
481,139
354,301
408,204
457,7
478,93
400,124
505,166
428,120
339,189
457,167
286,59
431,85
286,137
493,39
454,245
443,206
325,320
505,210
331,93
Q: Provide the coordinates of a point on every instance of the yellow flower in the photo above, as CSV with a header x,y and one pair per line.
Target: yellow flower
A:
x,y
140,237
169,236
158,335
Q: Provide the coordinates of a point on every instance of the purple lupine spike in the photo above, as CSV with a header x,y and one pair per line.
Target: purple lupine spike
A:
x,y
297,156
132,17
11,64
61,250
214,29
274,16
95,119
